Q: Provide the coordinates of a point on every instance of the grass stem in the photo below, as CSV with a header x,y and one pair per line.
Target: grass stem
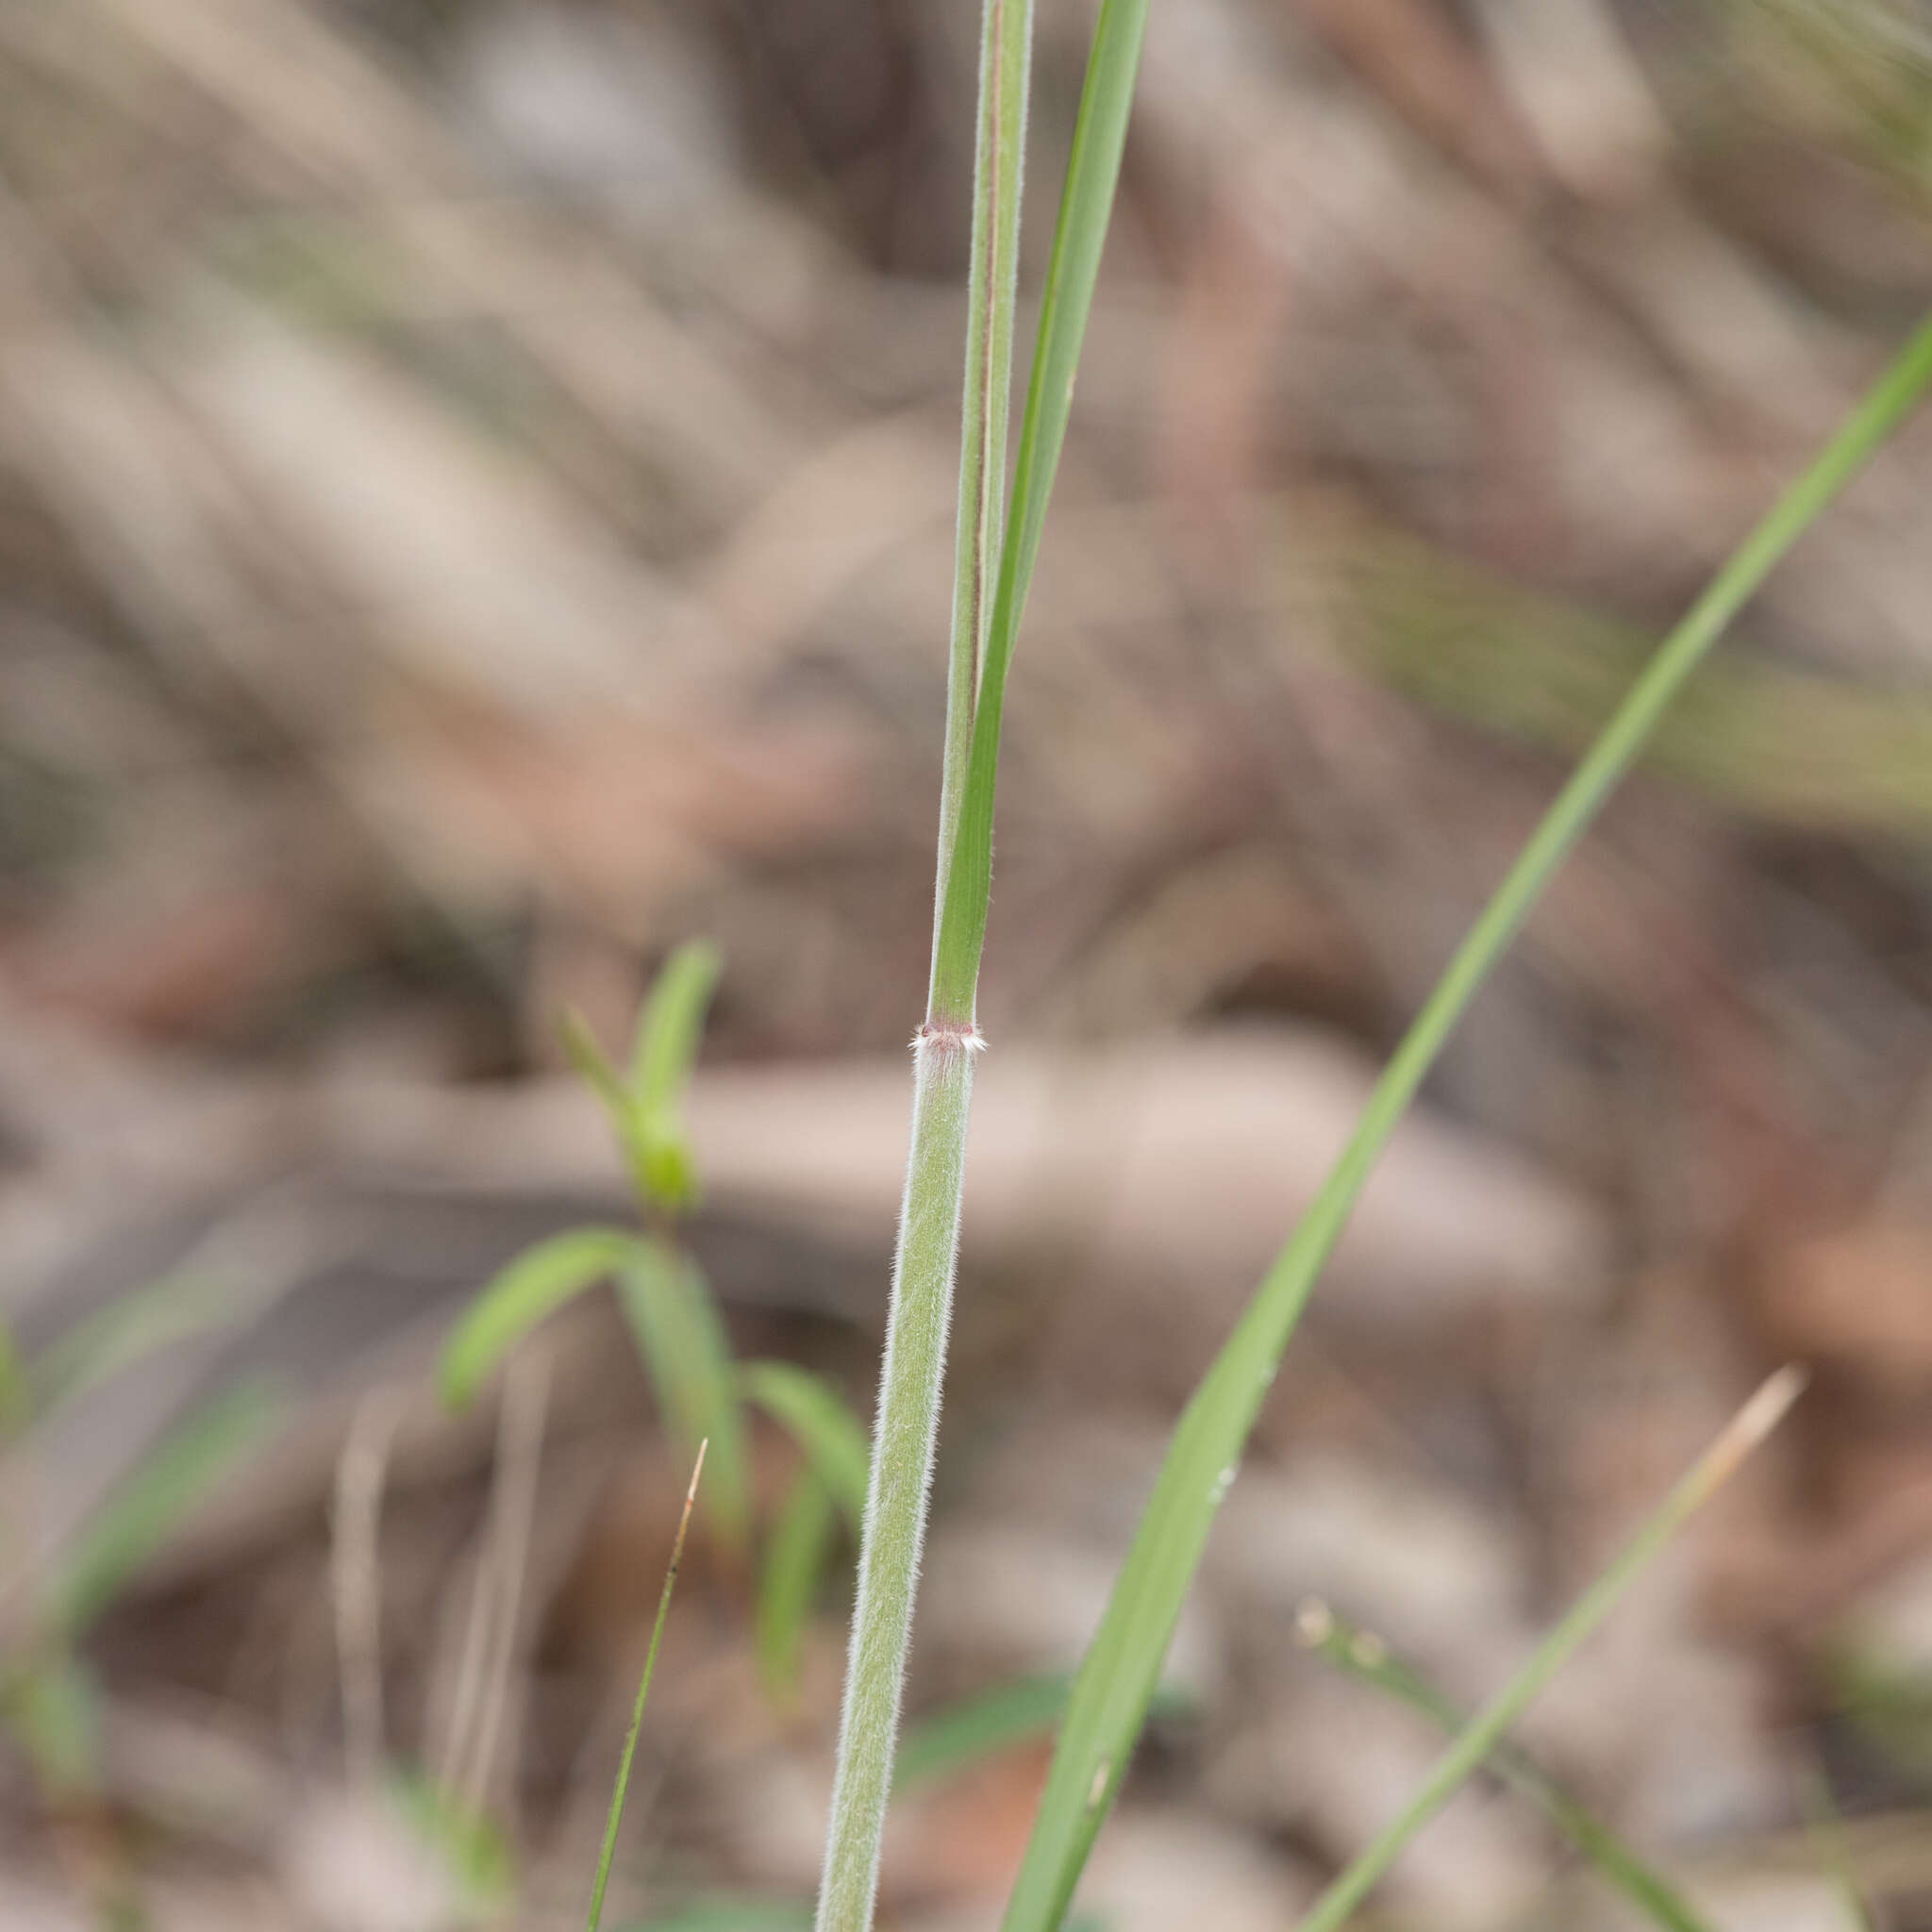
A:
x,y
913,1370
902,1458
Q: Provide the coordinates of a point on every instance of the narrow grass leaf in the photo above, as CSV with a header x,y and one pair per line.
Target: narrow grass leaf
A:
x,y
137,1518
473,1847
733,1915
1122,1665
1008,1714
681,1336
670,1030
816,1417
16,1391
139,1324
1093,166
1006,56
621,1789
1481,1736
1363,1655
53,1708
1827,1832
1004,1715
580,1046
527,1290
796,1553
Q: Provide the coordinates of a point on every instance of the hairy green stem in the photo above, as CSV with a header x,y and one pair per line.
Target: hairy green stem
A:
x,y
902,1459
913,1370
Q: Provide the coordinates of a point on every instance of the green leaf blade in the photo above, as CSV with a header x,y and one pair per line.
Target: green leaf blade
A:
x,y
816,1417
733,1915
999,158
139,1324
527,1290
593,1066
670,1031
796,1554
53,1708
133,1523
1093,166
681,1337
1009,1713
16,1386
1118,1675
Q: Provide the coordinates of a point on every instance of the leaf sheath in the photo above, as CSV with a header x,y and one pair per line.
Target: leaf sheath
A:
x,y
903,1441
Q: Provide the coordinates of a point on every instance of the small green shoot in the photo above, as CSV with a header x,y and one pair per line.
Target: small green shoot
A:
x,y
646,1102
666,1047
1363,1654
675,1322
621,1789
1479,1738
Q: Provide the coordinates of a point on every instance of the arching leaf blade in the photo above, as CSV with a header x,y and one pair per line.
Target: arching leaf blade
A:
x,y
681,1336
796,1553
816,1418
521,1294
1118,1674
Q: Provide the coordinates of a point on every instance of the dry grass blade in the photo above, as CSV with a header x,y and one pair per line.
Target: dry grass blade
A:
x,y
636,1715
1481,1736
1363,1654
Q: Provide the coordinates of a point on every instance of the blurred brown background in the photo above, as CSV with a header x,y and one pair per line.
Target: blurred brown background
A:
x,y
475,494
